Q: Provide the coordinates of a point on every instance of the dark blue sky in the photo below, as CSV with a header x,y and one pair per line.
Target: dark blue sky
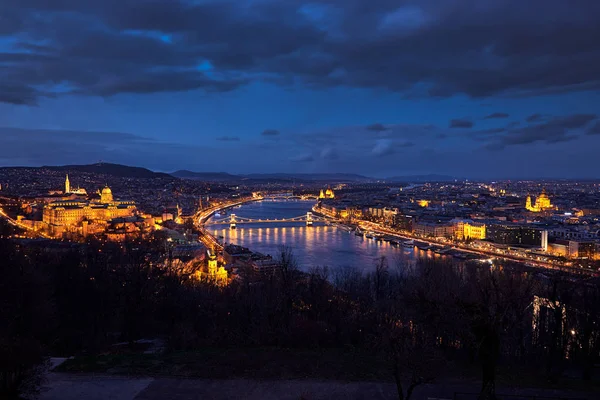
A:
x,y
480,89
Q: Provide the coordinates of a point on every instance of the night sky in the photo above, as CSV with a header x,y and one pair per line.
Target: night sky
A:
x,y
471,88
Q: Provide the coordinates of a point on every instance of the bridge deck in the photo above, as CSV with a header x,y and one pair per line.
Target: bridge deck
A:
x,y
239,220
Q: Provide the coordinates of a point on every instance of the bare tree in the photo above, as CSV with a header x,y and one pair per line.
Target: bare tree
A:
x,y
493,303
404,331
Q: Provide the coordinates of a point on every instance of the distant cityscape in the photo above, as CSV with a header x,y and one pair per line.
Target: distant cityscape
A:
x,y
550,224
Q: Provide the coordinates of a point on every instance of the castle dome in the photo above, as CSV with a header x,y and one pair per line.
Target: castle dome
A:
x,y
106,195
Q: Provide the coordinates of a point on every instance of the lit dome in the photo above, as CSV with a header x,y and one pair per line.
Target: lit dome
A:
x,y
106,195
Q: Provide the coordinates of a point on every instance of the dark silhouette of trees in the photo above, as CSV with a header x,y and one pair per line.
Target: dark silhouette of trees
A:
x,y
26,313
84,299
588,332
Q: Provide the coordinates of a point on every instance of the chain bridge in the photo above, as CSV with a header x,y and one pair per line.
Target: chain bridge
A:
x,y
233,220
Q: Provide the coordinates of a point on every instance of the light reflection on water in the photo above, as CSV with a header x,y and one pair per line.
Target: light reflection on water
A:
x,y
319,245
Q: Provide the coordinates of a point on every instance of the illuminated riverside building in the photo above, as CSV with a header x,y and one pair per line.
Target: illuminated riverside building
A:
x,y
433,229
61,216
467,229
542,203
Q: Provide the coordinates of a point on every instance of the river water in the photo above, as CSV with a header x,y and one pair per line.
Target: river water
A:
x,y
320,245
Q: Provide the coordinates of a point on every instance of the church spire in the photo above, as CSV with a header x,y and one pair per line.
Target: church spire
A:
x,y
67,185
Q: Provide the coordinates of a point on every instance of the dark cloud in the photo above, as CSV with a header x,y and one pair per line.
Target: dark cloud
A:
x,y
594,129
572,121
228,139
485,135
377,127
270,132
460,123
441,48
496,115
18,94
555,130
535,118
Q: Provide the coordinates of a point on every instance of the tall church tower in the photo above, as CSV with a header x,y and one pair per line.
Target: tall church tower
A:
x,y
528,205
67,185
212,266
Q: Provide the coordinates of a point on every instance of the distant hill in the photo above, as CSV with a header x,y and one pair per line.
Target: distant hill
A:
x,y
284,177
422,178
122,171
205,176
332,177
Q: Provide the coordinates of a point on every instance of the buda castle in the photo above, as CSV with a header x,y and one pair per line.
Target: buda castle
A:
x,y
69,215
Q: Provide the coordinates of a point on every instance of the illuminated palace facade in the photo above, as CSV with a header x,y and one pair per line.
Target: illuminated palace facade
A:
x,y
542,203
59,215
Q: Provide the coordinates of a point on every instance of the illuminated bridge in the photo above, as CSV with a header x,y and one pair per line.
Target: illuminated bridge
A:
x,y
285,196
234,220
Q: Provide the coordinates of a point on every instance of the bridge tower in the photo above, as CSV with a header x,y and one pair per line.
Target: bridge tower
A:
x,y
232,221
309,219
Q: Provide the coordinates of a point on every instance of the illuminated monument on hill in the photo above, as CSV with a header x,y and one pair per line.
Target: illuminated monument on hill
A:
x,y
67,215
68,190
542,203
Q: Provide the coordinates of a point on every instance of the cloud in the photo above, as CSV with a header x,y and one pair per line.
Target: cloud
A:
x,y
30,147
18,94
573,121
460,123
377,127
270,132
496,115
535,118
554,130
383,147
111,47
594,129
228,139
301,158
329,153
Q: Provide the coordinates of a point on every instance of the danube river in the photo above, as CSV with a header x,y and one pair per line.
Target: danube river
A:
x,y
319,245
